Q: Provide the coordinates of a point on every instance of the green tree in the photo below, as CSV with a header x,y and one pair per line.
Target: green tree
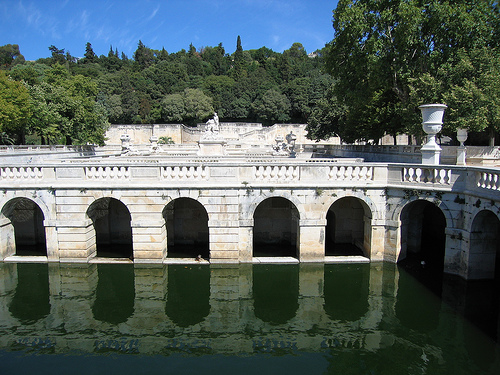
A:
x,y
15,108
10,56
272,107
90,56
190,107
381,47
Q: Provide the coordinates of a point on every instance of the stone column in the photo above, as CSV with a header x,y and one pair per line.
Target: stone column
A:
x,y
378,239
149,240
455,257
76,240
246,240
7,238
51,240
223,242
312,240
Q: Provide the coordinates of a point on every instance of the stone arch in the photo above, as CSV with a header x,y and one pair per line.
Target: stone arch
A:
x,y
249,213
423,237
276,228
23,229
112,225
396,213
484,250
348,227
187,228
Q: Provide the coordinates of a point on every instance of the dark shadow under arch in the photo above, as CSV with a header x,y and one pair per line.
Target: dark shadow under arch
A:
x,y
485,244
188,294
346,298
276,228
113,231
31,301
115,293
187,229
423,236
275,292
29,231
347,220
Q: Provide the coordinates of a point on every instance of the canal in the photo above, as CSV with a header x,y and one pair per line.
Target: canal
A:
x,y
245,319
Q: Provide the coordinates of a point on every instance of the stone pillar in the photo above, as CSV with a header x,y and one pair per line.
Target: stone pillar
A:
x,y
223,242
246,241
312,240
7,238
51,240
149,241
76,240
378,240
455,257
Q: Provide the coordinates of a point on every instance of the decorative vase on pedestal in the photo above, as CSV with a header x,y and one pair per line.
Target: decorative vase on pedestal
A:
x,y
432,122
461,153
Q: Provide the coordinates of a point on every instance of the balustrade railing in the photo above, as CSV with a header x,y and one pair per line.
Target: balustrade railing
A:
x,y
427,175
351,173
21,173
180,173
488,180
106,173
276,173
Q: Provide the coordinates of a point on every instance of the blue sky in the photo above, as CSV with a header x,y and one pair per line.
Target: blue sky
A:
x,y
173,24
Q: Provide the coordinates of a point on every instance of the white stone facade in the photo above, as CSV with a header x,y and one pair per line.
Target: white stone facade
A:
x,y
230,191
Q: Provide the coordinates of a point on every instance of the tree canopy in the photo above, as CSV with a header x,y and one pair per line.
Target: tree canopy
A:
x,y
387,57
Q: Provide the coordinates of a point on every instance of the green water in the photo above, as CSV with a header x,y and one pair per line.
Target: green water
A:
x,y
260,319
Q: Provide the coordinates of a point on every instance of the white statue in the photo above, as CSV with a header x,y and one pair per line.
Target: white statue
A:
x,y
213,124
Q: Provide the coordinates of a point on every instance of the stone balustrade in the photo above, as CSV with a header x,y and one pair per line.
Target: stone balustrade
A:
x,y
317,172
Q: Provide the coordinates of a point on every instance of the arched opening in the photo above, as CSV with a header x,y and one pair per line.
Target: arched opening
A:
x,y
275,292
27,221
348,228
484,252
31,301
188,294
187,229
276,228
423,237
113,232
115,293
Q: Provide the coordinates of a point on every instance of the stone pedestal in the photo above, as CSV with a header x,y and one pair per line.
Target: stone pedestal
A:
x,y
212,147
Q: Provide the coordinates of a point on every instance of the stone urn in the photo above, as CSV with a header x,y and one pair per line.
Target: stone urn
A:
x,y
432,122
461,152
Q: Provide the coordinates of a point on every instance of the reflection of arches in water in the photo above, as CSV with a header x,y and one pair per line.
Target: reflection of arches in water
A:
x,y
188,294
346,298
113,231
423,235
187,228
347,221
485,244
276,228
31,300
115,293
275,292
29,231
416,307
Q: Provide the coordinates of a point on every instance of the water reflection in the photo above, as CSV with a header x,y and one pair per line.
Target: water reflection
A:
x,y
348,319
